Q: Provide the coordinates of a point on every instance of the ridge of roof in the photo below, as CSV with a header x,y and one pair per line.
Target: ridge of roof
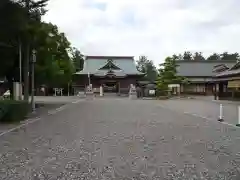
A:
x,y
207,61
220,68
109,57
110,62
220,65
236,66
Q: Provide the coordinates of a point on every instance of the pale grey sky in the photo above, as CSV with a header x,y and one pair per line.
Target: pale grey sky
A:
x,y
156,28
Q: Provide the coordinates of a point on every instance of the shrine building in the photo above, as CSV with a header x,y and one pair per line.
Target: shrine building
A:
x,y
114,73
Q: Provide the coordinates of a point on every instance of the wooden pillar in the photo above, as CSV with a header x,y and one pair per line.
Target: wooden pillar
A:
x,y
119,86
217,91
204,88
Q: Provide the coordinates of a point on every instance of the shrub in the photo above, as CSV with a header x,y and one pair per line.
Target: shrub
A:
x,y
13,111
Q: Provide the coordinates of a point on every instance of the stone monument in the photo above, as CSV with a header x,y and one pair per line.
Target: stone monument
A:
x,y
89,91
16,91
132,92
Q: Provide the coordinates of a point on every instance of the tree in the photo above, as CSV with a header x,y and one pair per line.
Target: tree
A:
x,y
54,67
198,56
147,67
168,74
33,12
78,59
227,56
177,57
21,23
214,57
187,56
12,22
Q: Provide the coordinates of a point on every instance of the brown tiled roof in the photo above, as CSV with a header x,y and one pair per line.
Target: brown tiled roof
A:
x,y
234,70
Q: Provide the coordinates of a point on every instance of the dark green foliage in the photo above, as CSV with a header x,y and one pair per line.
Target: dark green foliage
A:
x,y
12,23
214,57
20,22
198,56
229,56
147,67
168,75
13,111
54,67
187,56
78,59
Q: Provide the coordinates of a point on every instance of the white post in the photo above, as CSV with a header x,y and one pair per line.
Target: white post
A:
x,y
220,113
238,123
61,92
101,91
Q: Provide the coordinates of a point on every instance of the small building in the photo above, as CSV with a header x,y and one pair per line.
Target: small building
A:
x,y
147,88
200,74
114,73
227,83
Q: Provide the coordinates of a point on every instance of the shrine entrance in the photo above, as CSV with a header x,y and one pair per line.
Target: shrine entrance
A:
x,y
110,86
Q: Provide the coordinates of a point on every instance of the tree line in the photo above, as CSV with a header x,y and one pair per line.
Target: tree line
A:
x,y
198,56
22,31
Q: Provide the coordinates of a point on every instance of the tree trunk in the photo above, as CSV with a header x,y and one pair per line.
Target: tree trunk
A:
x,y
26,60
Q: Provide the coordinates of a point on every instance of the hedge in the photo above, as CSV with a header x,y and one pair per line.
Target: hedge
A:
x,y
13,111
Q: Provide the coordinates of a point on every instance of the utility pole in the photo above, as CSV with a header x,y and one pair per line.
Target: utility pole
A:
x,y
32,83
68,88
20,69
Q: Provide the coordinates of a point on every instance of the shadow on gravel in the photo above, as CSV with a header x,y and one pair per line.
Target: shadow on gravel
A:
x,y
41,110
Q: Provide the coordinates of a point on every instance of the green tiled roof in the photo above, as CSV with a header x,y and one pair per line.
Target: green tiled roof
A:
x,y
126,64
200,68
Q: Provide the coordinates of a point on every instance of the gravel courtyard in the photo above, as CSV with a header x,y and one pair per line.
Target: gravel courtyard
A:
x,y
122,139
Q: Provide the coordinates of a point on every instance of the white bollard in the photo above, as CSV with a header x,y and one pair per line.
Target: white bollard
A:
x,y
238,124
220,113
101,91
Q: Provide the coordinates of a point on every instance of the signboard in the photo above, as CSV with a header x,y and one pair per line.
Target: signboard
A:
x,y
234,84
111,75
152,92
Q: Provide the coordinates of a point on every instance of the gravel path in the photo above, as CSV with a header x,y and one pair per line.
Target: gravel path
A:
x,y
207,109
121,139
